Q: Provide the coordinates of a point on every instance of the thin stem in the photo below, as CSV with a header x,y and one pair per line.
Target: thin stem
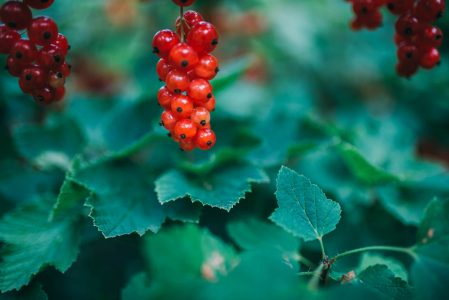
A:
x,y
408,251
305,261
181,15
309,273
323,252
316,276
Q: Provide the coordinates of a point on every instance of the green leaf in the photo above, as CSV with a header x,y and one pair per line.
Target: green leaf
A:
x,y
123,200
51,145
382,280
32,242
222,189
139,287
31,292
71,197
303,208
395,266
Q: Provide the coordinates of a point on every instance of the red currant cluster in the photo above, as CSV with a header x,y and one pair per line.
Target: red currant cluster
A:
x,y
186,66
416,38
39,61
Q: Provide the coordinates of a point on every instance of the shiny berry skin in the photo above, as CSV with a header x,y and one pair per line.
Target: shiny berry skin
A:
x,y
62,43
168,120
65,69
51,57
406,69
177,81
200,90
183,2
45,95
39,4
187,145
407,25
431,36
207,68
16,15
185,129
399,7
43,31
408,52
430,58
429,10
26,89
34,77
59,94
209,105
164,97
56,79
183,57
24,51
163,42
205,139
182,106
191,18
8,38
362,8
203,37
162,69
373,20
201,117
14,67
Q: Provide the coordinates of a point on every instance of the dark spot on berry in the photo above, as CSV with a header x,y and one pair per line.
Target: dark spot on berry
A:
x,y
179,109
184,63
28,77
155,50
438,37
40,98
183,136
182,150
169,134
12,25
160,80
47,35
59,75
409,55
57,58
177,91
209,143
217,69
19,55
69,47
408,31
214,42
209,95
391,6
69,66
203,123
44,1
364,10
183,1
440,15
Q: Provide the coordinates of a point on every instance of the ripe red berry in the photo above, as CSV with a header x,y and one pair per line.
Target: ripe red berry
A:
x,y
399,7
209,105
56,79
408,52
51,57
181,106
187,145
184,2
39,4
430,58
203,37
24,51
407,25
43,31
14,67
8,38
163,42
191,18
62,43
15,15
65,69
185,129
177,81
33,78
201,117
162,69
25,88
406,69
200,90
164,97
59,94
45,95
429,10
205,139
431,36
168,120
207,67
183,57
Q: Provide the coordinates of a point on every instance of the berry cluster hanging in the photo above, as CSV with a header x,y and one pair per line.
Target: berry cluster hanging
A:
x,y
416,38
39,60
186,66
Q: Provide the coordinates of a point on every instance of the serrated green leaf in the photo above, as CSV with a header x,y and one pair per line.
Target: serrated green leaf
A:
x,y
71,197
395,266
222,189
121,204
304,209
32,242
380,279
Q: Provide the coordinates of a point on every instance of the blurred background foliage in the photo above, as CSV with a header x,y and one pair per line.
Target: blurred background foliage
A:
x,y
297,88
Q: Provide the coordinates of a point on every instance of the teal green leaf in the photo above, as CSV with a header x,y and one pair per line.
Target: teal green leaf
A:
x,y
304,209
222,189
32,242
30,292
382,280
71,197
395,266
138,288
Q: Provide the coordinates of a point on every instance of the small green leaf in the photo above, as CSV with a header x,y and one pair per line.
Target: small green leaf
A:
x,y
395,266
222,189
303,208
32,242
71,197
382,280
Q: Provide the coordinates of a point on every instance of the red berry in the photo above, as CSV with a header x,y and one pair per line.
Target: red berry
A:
x,y
408,52
205,139
45,95
431,36
25,88
177,81
187,145
407,25
163,68
184,2
15,15
164,97
56,79
203,37
24,51
65,69
168,120
364,7
207,67
191,18
43,31
429,10
406,69
51,57
209,105
185,129
59,94
183,57
201,117
39,4
8,38
163,42
62,43
399,7
430,58
33,78
182,106
14,67
373,20
200,91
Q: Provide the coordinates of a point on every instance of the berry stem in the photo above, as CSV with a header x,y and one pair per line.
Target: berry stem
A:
x,y
181,15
